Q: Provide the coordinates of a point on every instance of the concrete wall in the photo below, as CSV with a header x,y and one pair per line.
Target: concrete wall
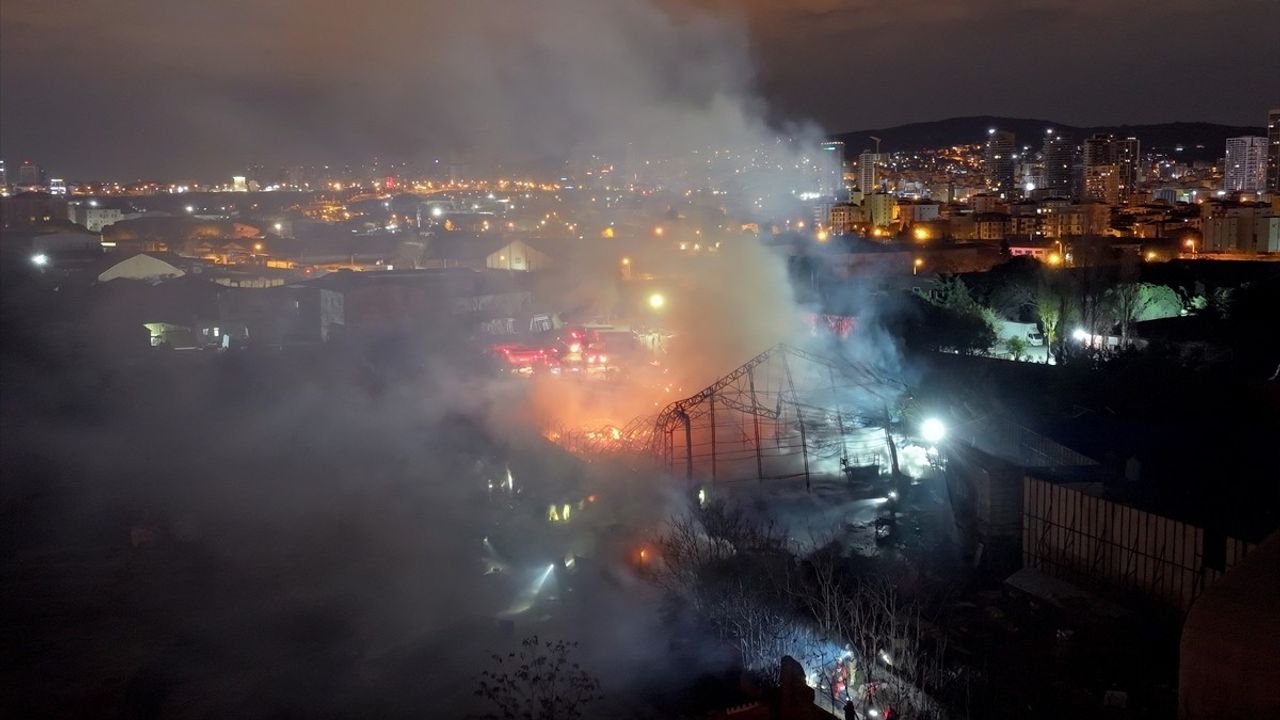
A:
x,y
1229,665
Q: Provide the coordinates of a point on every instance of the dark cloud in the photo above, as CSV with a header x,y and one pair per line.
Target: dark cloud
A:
x,y
162,88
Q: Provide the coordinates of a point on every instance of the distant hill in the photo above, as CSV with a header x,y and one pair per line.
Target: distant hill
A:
x,y
1199,140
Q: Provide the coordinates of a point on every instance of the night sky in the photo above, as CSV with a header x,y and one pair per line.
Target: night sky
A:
x,y
124,88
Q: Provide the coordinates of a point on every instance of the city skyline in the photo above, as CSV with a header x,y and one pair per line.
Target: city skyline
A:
x,y
199,90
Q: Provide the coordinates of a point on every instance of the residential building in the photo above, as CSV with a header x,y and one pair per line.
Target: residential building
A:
x,y
984,203
1102,182
843,217
1090,218
881,207
831,170
1245,169
1113,165
990,226
914,212
941,192
1059,157
1026,225
867,176
1273,151
1000,159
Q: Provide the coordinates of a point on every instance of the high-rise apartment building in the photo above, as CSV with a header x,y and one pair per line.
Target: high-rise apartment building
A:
x,y
1273,151
1059,157
1000,159
1245,169
1112,168
868,181
831,171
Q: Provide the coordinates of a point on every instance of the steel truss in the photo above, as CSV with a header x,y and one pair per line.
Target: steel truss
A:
x,y
786,413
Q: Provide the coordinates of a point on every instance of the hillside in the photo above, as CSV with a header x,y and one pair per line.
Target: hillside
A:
x,y
1199,140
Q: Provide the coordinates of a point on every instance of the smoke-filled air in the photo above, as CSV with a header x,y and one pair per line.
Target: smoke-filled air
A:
x,y
639,359
237,529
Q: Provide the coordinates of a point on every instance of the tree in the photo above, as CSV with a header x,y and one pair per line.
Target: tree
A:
x,y
1122,300
953,294
1131,302
1017,347
884,633
1051,307
955,321
1008,288
940,328
538,682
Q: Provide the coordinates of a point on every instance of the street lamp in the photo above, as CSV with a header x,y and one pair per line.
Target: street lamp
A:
x,y
40,260
657,301
933,430
916,265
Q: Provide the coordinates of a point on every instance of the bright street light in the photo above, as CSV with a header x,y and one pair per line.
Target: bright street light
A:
x,y
1079,334
933,431
40,260
657,301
